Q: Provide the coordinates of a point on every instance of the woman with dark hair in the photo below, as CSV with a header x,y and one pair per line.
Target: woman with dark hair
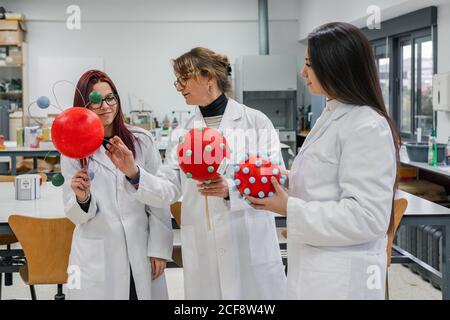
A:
x,y
342,183
120,245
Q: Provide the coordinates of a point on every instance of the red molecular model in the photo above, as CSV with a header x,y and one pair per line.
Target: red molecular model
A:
x,y
252,176
201,152
77,133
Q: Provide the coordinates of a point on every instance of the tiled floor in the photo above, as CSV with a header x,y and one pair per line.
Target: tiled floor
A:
x,y
404,285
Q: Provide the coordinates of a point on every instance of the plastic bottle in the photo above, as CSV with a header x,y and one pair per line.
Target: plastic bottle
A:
x,y
2,142
448,152
166,123
174,123
432,149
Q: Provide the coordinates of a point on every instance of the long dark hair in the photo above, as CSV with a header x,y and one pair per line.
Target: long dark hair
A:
x,y
343,61
84,88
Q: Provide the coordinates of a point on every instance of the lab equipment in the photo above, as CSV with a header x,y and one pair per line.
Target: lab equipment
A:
x,y
448,152
2,142
4,118
441,92
143,117
28,187
174,123
269,83
418,152
432,149
180,115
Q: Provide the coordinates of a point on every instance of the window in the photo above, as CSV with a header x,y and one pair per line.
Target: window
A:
x,y
406,65
405,96
383,64
415,74
405,55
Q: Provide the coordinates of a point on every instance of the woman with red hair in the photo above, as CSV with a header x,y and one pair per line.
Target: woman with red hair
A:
x,y
120,245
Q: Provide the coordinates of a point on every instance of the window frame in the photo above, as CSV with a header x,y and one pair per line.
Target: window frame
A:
x,y
413,25
394,45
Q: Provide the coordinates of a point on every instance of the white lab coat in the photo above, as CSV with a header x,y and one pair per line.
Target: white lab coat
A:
x,y
341,191
117,232
239,258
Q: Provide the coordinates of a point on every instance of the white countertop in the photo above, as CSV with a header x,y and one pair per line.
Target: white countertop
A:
x,y
418,206
50,205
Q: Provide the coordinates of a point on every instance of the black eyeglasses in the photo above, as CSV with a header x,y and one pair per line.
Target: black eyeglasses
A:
x,y
111,100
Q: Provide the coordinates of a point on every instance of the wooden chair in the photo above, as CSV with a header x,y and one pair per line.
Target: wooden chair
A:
x,y
176,213
175,209
46,244
398,211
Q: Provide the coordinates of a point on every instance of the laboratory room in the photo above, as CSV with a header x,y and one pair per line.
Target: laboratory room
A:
x,y
261,150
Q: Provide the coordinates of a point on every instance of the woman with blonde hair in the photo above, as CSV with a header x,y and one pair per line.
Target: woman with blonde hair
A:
x,y
239,257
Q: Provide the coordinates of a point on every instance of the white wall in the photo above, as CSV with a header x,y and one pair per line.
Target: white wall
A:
x,y
312,14
137,39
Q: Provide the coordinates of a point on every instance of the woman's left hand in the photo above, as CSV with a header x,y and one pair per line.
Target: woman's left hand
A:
x,y
277,203
122,157
158,265
217,188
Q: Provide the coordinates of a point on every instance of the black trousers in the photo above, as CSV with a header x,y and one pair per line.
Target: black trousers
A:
x,y
133,294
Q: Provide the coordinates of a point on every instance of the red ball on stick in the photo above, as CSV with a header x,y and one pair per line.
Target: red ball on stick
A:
x,y
77,133
200,153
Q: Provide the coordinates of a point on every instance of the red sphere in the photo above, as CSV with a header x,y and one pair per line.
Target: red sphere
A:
x,y
200,153
77,133
252,177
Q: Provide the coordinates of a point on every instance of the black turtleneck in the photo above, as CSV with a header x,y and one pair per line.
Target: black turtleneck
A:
x,y
215,108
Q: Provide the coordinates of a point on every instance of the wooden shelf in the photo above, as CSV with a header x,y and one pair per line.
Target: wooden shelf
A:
x,y
11,66
11,93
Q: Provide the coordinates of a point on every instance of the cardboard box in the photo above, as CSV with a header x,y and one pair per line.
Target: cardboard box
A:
x,y
12,32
